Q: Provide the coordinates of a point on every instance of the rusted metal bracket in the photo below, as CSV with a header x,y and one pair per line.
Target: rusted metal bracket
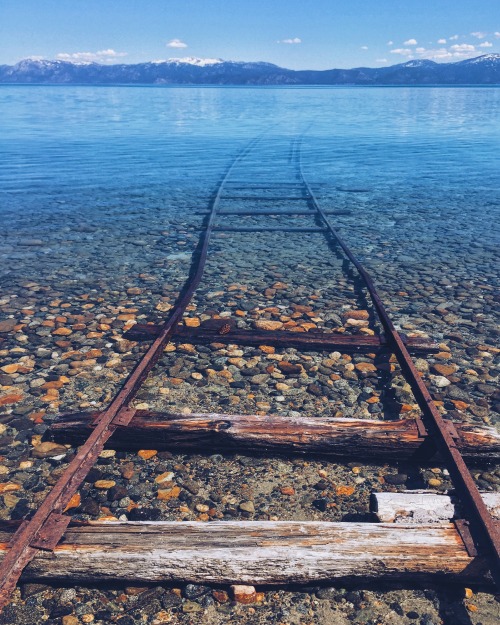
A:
x,y
51,532
124,417
422,430
452,430
449,425
463,529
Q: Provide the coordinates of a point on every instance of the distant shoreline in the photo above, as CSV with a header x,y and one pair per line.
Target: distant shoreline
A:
x,y
480,71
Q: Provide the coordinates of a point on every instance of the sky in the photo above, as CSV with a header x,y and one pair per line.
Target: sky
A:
x,y
298,34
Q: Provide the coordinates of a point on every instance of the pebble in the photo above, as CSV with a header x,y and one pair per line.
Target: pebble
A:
x,y
247,506
104,484
164,477
147,454
49,450
356,314
443,370
244,594
191,606
267,324
9,487
7,325
168,493
365,367
434,482
440,381
107,453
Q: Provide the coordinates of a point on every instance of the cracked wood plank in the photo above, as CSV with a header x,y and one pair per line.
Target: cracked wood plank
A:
x,y
332,437
424,507
261,552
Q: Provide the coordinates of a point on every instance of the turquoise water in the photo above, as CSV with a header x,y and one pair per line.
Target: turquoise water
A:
x,y
427,159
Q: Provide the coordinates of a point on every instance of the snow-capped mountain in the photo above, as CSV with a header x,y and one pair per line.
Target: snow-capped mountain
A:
x,y
191,60
482,70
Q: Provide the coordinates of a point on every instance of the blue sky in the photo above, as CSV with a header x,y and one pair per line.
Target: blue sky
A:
x,y
299,34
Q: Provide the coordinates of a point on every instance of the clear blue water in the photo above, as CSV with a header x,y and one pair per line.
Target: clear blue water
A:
x,y
118,159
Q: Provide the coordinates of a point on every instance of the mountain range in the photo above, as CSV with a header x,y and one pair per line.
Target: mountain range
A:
x,y
482,70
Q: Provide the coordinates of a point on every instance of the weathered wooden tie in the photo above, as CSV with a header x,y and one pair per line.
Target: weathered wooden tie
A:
x,y
268,229
309,341
425,507
242,212
270,198
256,552
358,439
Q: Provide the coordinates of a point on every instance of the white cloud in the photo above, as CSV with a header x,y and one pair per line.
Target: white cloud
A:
x,y
411,42
462,47
36,57
390,43
497,34
441,41
176,43
486,44
456,51
101,56
453,38
479,34
291,40
364,47
381,61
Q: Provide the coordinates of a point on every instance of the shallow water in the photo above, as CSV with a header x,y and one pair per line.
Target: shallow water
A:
x,y
92,176
101,192
91,150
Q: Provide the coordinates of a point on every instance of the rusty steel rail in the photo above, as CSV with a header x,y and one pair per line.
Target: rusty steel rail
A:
x,y
483,529
48,524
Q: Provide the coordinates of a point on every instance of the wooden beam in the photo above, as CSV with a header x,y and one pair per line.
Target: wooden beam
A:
x,y
266,229
285,211
263,198
332,437
311,341
261,552
424,507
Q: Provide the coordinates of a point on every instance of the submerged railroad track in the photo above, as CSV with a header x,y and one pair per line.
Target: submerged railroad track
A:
x,y
264,552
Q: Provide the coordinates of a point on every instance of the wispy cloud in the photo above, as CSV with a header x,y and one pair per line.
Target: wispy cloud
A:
x,y
410,42
390,43
402,51
381,61
453,38
497,34
455,51
291,40
479,34
486,44
441,41
364,47
176,43
462,47
101,56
